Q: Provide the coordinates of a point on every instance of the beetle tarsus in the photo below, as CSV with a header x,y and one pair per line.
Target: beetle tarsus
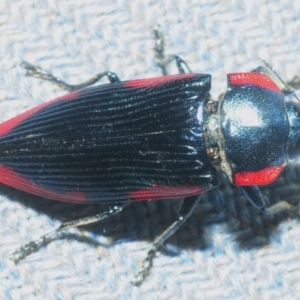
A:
x,y
35,245
145,270
38,72
159,50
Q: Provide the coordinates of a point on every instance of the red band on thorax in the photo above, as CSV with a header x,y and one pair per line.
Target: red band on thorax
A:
x,y
257,79
261,177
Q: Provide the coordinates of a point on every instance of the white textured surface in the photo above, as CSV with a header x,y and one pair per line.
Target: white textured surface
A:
x,y
76,39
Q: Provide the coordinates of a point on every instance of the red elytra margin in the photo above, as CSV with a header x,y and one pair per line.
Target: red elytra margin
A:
x,y
165,192
148,82
11,178
7,126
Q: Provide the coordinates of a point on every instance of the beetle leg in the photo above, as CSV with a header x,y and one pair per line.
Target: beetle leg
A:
x,y
180,63
162,60
260,69
254,196
159,50
282,206
295,82
186,210
35,245
37,72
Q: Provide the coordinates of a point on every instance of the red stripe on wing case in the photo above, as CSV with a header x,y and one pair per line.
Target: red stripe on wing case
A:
x,y
7,126
165,192
11,178
149,82
257,79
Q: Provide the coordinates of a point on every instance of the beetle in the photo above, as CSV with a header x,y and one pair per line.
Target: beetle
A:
x,y
157,138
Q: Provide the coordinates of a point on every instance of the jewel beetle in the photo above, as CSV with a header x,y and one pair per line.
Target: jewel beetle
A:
x,y
157,138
